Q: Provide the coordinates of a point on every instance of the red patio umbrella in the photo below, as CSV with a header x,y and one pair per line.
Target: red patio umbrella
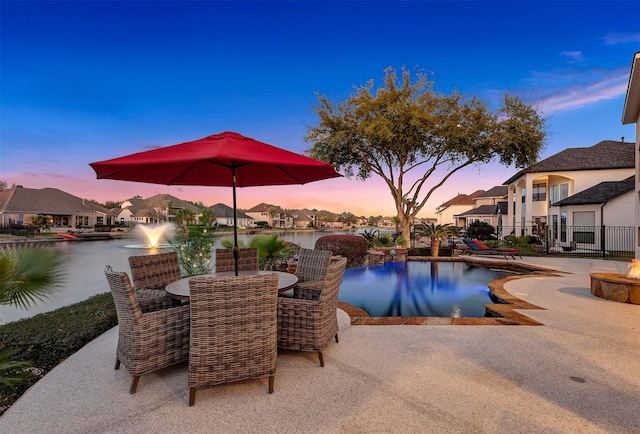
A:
x,y
223,160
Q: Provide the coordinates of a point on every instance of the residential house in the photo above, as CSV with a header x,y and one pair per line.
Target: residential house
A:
x,y
64,211
224,216
272,214
533,190
462,202
609,205
304,218
485,208
155,209
631,115
362,221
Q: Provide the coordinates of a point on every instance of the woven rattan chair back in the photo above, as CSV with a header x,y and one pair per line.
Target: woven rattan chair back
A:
x,y
233,330
150,274
147,341
247,260
308,321
312,264
154,271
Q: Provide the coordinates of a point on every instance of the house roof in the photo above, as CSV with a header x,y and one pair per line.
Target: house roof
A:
x,y
608,154
481,210
600,193
45,201
223,211
497,191
263,207
632,100
461,199
170,202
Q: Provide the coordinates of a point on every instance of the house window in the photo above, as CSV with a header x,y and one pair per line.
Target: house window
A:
x,y
563,227
564,191
539,192
554,227
523,194
584,227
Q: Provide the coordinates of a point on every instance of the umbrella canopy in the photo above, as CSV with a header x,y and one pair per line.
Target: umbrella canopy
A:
x,y
224,160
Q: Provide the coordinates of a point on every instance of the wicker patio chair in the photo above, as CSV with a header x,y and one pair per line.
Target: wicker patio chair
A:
x,y
147,341
150,275
312,264
308,321
247,260
233,330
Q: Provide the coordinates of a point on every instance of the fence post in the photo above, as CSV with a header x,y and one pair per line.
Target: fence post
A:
x,y
603,239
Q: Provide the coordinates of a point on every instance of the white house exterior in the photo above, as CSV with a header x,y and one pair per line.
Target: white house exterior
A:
x,y
534,189
631,115
446,212
274,215
155,209
485,208
224,216
600,217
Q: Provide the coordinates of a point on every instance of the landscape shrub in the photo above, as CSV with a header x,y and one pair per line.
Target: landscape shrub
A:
x,y
352,247
49,338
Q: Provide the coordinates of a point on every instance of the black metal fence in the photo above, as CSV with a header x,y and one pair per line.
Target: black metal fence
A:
x,y
585,241
17,231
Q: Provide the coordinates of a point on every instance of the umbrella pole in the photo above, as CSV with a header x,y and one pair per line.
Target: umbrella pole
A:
x,y
235,219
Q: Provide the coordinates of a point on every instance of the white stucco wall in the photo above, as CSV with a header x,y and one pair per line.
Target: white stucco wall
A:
x,y
446,215
621,210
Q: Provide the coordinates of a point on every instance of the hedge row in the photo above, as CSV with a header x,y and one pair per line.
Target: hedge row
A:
x,y
49,338
353,247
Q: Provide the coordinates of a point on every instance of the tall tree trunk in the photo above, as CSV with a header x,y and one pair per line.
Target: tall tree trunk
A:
x,y
435,246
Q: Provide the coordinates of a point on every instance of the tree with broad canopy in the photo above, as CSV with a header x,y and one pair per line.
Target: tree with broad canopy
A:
x,y
407,132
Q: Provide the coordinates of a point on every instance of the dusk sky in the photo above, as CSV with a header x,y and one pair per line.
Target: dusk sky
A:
x,y
88,81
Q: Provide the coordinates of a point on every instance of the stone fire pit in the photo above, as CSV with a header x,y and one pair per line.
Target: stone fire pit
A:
x,y
616,287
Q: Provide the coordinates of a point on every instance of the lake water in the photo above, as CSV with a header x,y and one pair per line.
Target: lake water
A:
x,y
85,269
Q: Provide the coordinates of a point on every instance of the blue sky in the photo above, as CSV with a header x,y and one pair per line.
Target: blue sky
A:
x,y
87,81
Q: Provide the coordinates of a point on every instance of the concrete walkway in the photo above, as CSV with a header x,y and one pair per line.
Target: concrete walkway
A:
x,y
579,373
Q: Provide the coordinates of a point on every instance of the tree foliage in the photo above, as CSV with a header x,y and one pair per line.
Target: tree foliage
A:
x,y
406,132
480,230
207,216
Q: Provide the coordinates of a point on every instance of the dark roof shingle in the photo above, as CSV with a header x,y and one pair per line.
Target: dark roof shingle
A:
x,y
608,154
600,193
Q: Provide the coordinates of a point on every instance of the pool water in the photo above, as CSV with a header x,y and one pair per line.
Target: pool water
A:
x,y
445,289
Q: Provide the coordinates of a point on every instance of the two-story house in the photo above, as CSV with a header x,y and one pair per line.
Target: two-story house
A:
x,y
631,115
272,214
155,209
486,208
533,190
461,203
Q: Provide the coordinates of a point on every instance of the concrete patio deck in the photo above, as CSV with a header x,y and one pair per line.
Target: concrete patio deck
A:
x,y
578,373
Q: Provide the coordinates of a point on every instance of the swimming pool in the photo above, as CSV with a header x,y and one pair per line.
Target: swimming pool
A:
x,y
443,289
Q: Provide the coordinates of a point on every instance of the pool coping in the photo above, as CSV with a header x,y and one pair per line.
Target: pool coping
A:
x,y
505,312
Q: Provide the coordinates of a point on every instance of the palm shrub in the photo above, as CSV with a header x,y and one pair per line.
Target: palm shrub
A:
x,y
273,252
27,274
436,233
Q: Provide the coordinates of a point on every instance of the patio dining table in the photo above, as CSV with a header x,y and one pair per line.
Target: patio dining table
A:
x,y
180,288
